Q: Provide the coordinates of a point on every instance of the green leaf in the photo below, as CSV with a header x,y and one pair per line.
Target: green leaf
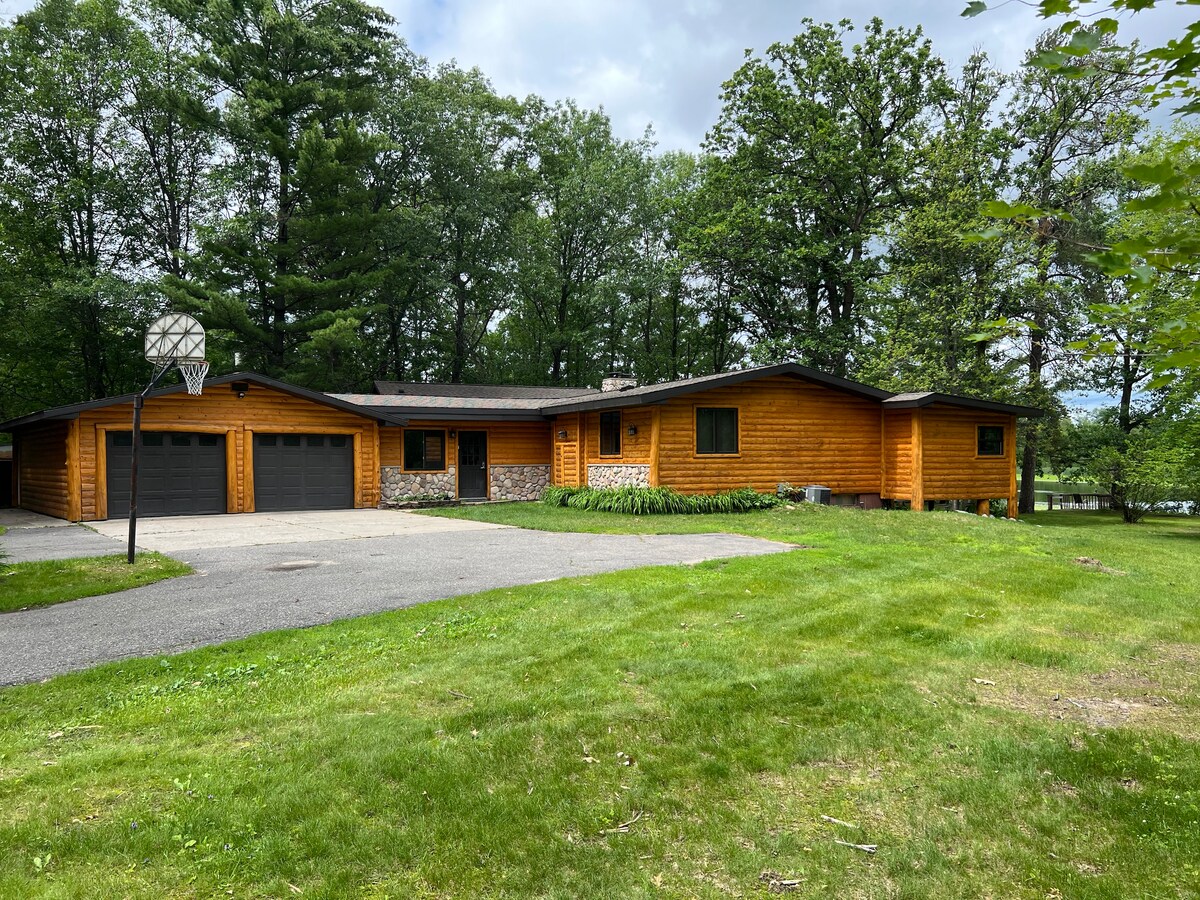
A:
x,y
974,8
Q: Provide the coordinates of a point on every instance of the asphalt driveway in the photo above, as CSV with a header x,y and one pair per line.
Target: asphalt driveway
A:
x,y
256,587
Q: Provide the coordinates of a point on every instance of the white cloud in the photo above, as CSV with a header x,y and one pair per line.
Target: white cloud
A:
x,y
652,62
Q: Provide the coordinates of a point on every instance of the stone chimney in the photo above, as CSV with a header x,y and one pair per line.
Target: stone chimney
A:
x,y
617,382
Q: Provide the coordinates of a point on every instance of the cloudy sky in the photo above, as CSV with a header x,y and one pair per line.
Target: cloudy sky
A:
x,y
661,62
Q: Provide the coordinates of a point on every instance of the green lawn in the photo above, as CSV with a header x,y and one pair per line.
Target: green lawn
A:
x,y
29,584
995,717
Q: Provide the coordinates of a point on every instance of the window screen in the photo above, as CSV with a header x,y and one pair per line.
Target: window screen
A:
x,y
991,440
610,433
716,430
424,450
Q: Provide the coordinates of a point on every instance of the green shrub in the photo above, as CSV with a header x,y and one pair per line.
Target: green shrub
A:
x,y
647,501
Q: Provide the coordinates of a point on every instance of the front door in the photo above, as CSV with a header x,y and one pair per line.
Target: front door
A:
x,y
472,465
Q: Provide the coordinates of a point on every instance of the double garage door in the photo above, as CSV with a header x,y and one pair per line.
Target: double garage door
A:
x,y
184,474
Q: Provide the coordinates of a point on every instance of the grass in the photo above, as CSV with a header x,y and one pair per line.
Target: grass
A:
x,y
29,584
999,719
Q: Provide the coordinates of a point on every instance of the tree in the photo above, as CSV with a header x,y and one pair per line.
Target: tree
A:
x,y
297,255
67,184
1073,132
940,288
578,239
815,156
1145,468
1168,72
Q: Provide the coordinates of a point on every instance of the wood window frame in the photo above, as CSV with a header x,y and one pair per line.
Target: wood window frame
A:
x,y
445,451
1003,454
696,454
620,424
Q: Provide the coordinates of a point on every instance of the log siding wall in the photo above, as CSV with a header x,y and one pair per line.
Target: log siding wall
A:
x,y
951,468
789,430
42,469
220,411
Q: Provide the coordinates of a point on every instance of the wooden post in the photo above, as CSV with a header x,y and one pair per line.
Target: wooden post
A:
x,y
248,471
74,474
918,463
231,480
984,507
101,479
1012,467
655,443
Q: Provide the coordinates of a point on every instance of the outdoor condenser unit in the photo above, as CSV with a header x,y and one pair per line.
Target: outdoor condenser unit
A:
x,y
818,493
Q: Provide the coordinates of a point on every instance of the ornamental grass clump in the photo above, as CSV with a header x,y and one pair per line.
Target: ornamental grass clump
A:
x,y
656,501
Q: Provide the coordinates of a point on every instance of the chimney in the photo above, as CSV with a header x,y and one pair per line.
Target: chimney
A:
x,y
618,382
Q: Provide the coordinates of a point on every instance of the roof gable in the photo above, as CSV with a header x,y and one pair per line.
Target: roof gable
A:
x,y
71,411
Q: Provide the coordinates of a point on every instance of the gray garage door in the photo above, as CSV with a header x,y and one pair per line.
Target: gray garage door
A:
x,y
178,474
303,471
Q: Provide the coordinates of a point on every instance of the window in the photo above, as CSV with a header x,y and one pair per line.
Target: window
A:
x,y
610,433
266,440
990,440
316,440
207,440
292,440
337,440
152,440
716,430
424,451
122,439
181,440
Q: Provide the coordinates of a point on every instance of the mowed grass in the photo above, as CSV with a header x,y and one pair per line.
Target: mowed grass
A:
x,y
996,718
25,585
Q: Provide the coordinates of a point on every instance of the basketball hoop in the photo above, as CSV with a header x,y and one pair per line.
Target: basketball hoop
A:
x,y
193,375
175,340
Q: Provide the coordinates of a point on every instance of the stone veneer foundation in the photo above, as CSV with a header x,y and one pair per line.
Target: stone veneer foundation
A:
x,y
612,476
519,482
397,485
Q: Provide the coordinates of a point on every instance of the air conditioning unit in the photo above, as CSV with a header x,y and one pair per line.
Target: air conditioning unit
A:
x,y
818,493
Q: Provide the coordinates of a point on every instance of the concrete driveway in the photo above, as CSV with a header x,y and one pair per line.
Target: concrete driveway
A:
x,y
266,582
177,534
32,537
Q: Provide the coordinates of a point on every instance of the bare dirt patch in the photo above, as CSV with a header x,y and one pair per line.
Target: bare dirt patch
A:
x,y
1096,566
1141,696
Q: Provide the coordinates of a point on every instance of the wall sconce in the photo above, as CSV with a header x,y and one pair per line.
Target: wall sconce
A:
x,y
562,435
632,430
453,434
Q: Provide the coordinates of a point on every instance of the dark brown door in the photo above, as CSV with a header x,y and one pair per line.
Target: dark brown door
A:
x,y
178,474
303,471
472,465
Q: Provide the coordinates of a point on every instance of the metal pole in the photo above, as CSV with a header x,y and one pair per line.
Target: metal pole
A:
x,y
138,402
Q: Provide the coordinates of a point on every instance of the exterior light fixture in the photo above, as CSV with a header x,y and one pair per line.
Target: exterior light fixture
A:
x,y
632,430
562,435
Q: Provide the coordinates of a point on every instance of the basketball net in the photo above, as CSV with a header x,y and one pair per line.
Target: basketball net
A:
x,y
193,375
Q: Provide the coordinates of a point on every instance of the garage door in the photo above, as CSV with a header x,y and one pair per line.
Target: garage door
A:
x,y
303,471
178,474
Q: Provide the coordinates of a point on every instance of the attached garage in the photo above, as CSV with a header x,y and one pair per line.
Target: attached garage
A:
x,y
179,473
303,471
247,444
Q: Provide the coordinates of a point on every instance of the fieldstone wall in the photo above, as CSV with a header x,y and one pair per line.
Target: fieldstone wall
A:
x,y
397,485
618,476
519,482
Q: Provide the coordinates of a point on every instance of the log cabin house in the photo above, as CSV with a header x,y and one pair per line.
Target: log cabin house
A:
x,y
252,443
